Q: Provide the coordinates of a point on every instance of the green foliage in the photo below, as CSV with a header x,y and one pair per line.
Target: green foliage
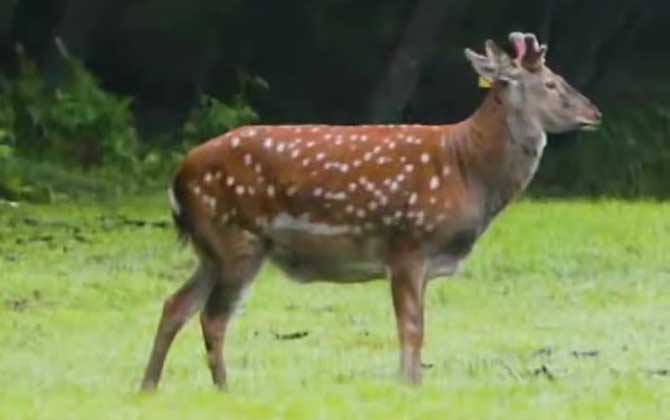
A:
x,y
7,135
212,117
628,157
77,122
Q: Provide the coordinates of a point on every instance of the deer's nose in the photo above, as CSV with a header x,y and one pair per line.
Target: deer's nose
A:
x,y
597,115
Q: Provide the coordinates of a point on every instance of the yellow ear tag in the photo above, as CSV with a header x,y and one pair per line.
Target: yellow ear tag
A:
x,y
485,82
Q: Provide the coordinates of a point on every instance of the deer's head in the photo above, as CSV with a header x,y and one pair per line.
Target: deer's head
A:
x,y
528,87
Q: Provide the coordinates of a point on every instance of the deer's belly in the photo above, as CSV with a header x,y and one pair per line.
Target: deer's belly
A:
x,y
310,252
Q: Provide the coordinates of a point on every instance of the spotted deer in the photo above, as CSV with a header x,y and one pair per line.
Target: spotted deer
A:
x,y
356,203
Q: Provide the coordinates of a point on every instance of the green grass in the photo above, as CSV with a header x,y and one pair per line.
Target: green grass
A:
x,y
562,312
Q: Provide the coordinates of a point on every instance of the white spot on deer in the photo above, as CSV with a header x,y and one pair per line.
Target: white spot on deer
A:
x,y
397,215
412,198
295,153
248,160
339,196
430,227
434,182
360,213
305,162
235,142
338,142
271,191
318,191
400,177
250,132
383,200
357,163
352,187
441,217
353,137
394,186
297,130
349,208
377,149
387,220
364,138
328,136
230,181
320,156
446,170
310,144
251,190
208,178
280,147
409,167
344,168
268,143
372,205
292,190
258,168
239,190
425,157
391,145
367,156
315,129
433,200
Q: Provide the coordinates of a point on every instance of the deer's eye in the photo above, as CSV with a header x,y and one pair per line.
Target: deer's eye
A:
x,y
551,85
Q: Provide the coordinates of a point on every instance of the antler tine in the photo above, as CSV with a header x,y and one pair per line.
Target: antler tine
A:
x,y
528,50
534,58
517,39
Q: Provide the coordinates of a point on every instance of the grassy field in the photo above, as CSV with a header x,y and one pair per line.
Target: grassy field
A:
x,y
562,312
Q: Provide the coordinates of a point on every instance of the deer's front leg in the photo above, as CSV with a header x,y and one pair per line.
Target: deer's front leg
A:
x,y
408,286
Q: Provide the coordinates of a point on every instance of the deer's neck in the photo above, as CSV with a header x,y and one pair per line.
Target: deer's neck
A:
x,y
505,148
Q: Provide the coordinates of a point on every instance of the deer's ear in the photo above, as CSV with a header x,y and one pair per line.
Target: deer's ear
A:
x,y
496,65
483,65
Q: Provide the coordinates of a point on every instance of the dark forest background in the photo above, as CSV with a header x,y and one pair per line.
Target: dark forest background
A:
x,y
131,84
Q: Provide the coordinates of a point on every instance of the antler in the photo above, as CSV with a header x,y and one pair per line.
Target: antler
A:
x,y
529,52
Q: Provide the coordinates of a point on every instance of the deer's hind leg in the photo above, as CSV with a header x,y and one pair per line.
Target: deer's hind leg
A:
x,y
177,309
241,258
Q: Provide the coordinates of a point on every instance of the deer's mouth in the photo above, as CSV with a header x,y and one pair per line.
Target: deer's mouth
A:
x,y
589,125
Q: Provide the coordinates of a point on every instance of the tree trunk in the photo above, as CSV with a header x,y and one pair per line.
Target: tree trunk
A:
x,y
418,42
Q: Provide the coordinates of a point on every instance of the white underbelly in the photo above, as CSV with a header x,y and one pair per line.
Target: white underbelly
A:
x,y
319,252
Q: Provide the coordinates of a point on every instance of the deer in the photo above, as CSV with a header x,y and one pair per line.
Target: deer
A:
x,y
356,203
